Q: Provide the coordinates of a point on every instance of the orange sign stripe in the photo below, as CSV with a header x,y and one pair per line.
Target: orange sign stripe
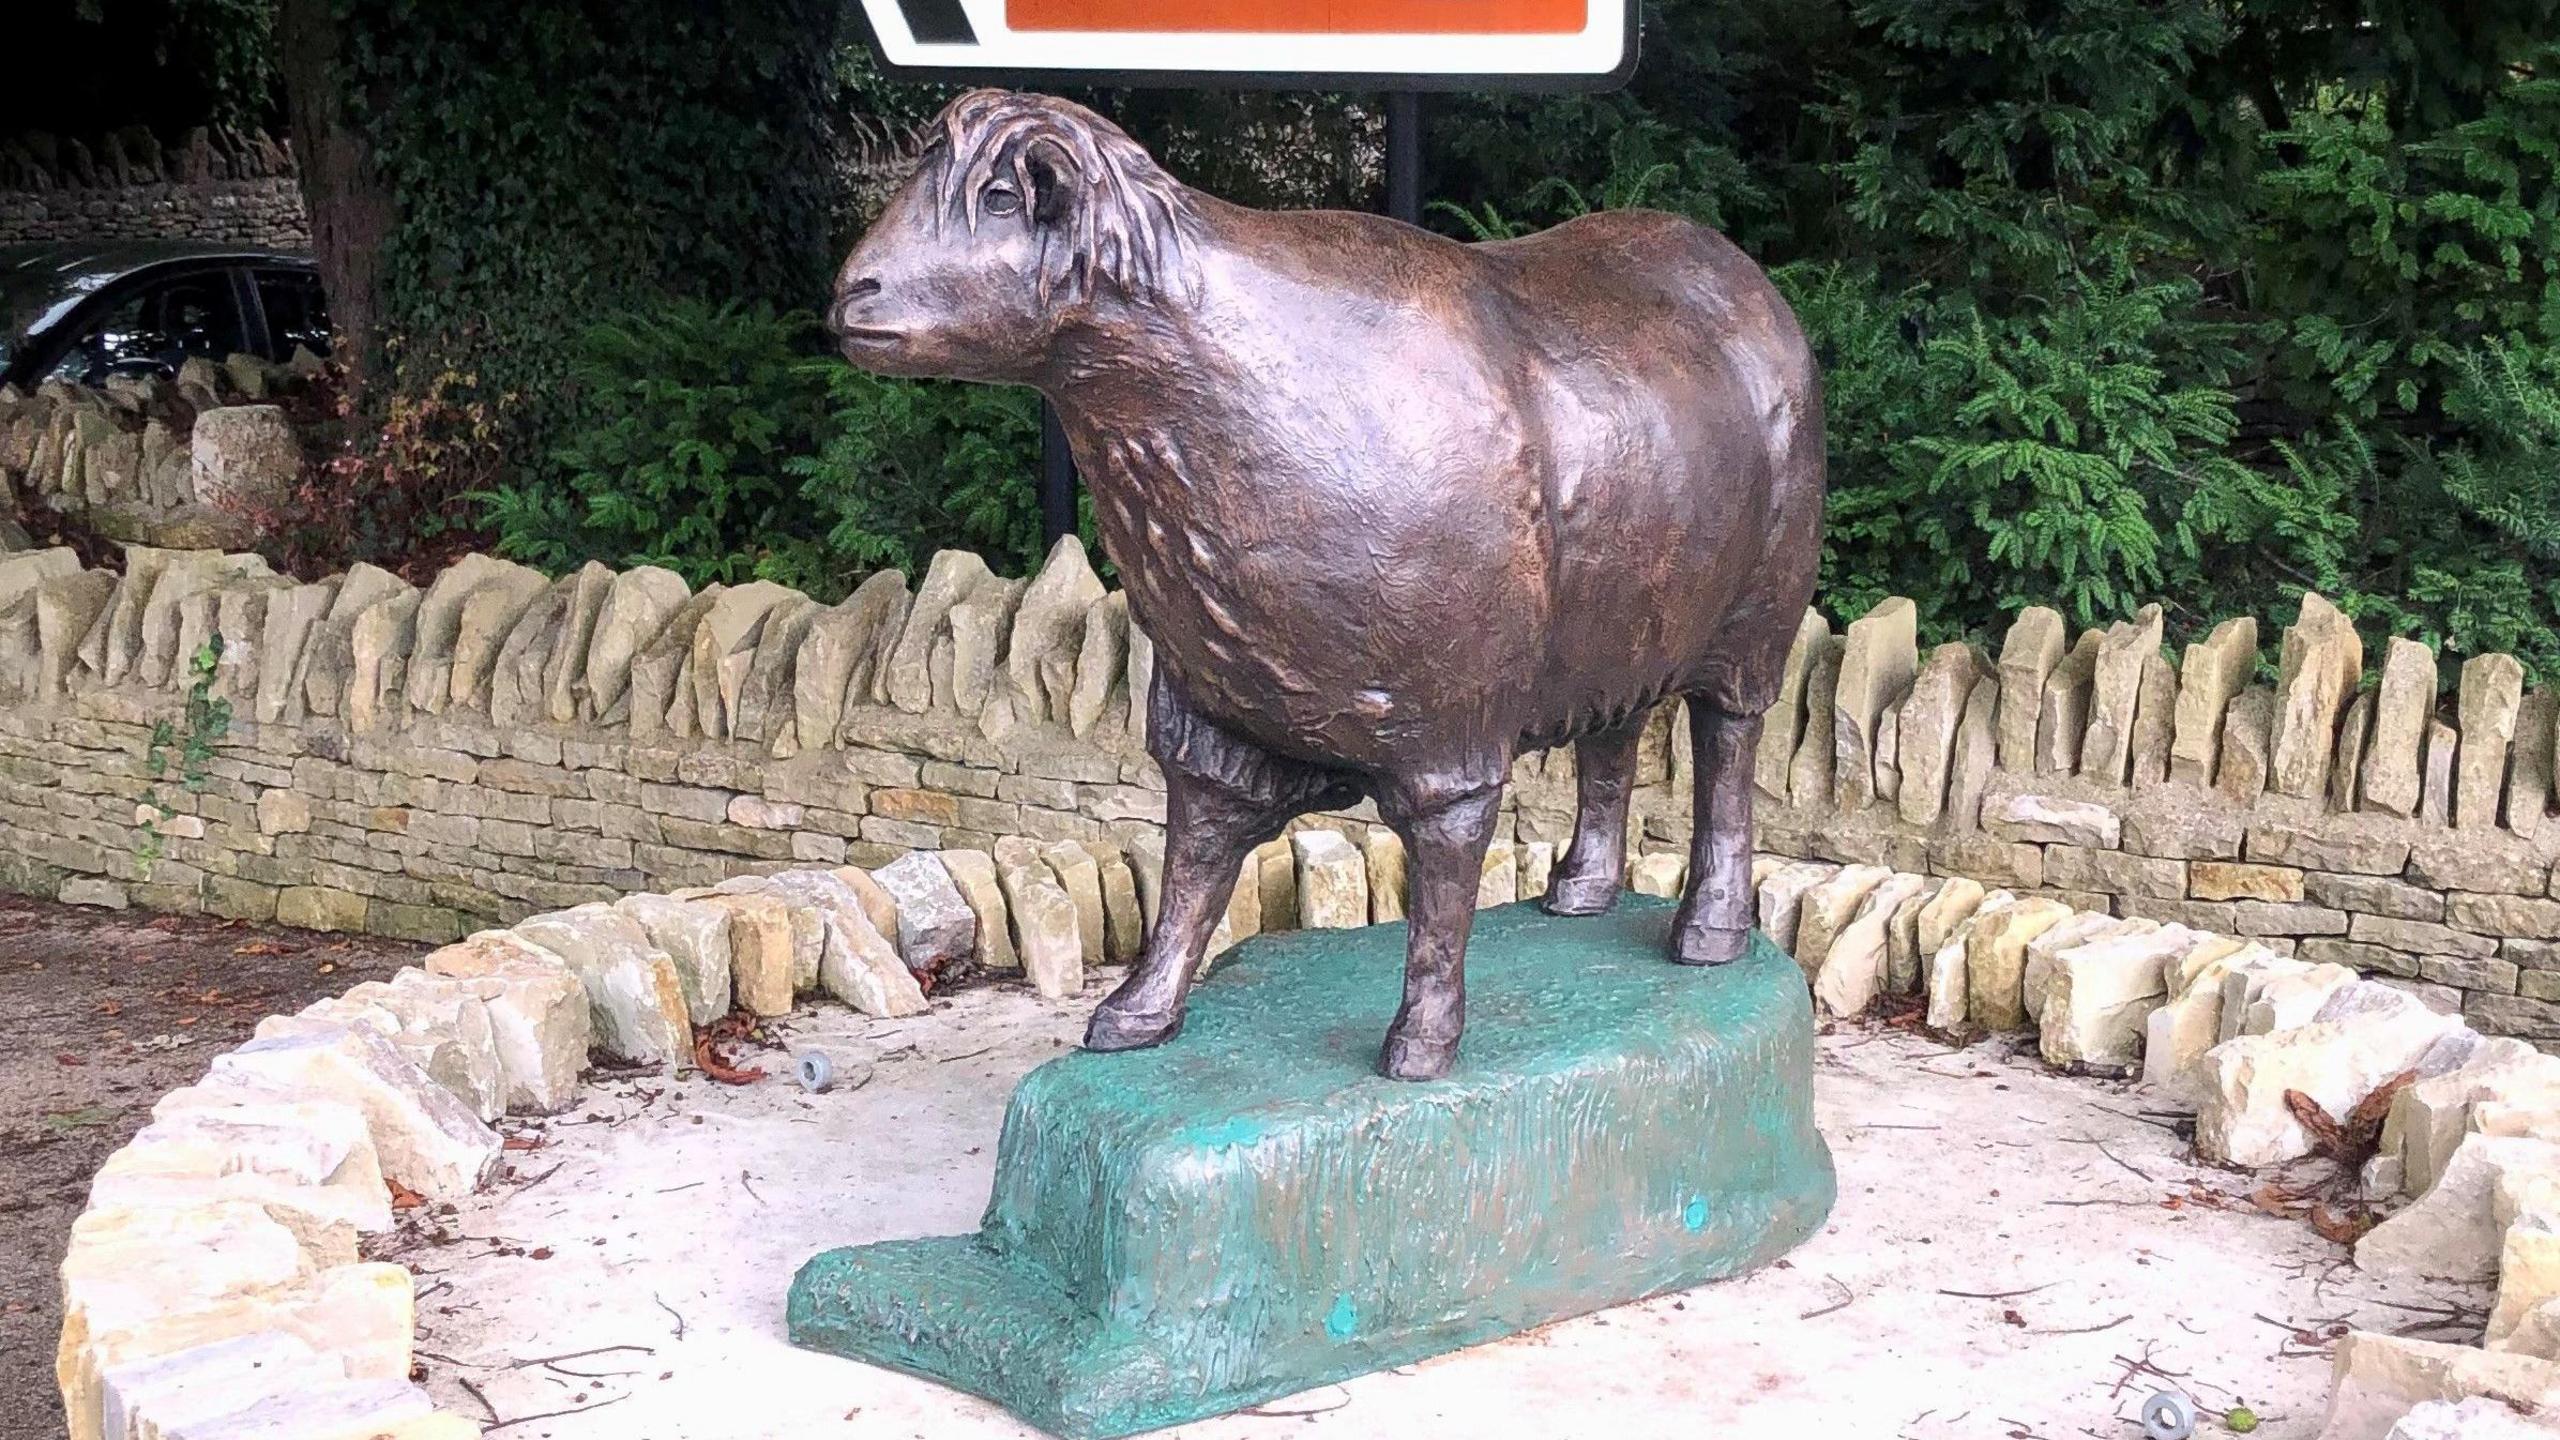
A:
x,y
1304,17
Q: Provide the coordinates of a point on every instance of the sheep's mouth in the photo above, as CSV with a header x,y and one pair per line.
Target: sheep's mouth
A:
x,y
869,337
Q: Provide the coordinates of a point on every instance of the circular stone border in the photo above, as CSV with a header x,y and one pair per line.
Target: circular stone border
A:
x,y
213,1288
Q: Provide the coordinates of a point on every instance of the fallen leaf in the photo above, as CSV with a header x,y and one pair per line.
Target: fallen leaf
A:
x,y
2341,1229
402,1197
71,1060
67,1121
521,1142
706,1058
258,947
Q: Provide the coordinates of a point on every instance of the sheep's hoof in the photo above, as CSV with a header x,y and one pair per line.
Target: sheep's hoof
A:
x,y
1116,1029
1415,1057
1582,895
1699,945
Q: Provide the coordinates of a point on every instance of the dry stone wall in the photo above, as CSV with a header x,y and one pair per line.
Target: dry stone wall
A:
x,y
238,189
184,463
421,761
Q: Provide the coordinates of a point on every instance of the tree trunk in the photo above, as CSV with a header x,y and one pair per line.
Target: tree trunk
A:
x,y
349,207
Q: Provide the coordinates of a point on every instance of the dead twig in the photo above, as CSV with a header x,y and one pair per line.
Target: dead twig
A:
x,y
1998,1294
576,1355
479,1395
1847,1299
2085,1329
1299,1414
551,1415
671,1314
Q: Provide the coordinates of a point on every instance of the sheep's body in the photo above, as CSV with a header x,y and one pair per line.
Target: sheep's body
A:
x,y
1391,508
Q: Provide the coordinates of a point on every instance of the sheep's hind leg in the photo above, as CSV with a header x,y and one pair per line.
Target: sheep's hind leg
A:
x,y
1714,923
1594,866
1446,829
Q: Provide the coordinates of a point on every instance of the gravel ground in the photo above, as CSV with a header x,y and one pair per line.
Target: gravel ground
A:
x,y
102,1013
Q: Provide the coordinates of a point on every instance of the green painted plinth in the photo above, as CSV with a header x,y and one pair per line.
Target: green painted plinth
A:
x,y
1251,1210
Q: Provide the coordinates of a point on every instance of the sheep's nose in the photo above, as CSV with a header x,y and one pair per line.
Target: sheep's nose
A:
x,y
861,289
849,298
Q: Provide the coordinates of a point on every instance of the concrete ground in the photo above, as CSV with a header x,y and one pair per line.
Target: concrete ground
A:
x,y
102,1013
2014,1254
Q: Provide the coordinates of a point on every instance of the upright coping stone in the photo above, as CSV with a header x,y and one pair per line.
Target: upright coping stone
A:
x,y
1250,1210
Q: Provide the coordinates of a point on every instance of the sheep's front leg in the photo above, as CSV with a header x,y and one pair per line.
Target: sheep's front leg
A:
x,y
1223,796
1445,832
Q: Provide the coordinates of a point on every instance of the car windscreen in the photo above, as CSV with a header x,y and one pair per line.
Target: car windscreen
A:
x,y
35,296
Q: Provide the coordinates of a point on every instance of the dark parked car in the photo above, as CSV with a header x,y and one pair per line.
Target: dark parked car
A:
x,y
83,313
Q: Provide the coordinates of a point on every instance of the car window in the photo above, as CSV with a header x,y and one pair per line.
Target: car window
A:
x,y
297,315
157,326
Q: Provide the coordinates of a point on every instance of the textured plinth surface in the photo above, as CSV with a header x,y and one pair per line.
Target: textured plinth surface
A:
x,y
1251,1210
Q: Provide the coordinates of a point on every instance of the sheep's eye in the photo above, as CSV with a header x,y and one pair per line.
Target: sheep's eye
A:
x,y
1001,200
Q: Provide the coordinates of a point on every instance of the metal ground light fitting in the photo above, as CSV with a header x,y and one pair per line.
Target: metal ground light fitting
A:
x,y
816,1073
2168,1415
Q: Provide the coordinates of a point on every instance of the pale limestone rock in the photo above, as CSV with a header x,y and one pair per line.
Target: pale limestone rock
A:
x,y
2473,1419
2080,927
441,1026
564,671
539,1020
327,654
2492,689
286,632
2241,773
1081,879
1946,913
180,1392
937,928
1124,919
485,619
68,611
1276,879
162,662
2346,770
979,624
1970,764
1537,868
1333,881
1809,773
973,873
1382,850
635,997
2381,1378
1243,918
515,676
949,578
377,648
127,1271
242,457
2528,1264
657,674
764,700
1783,725
637,606
2034,645
1995,960
1498,880
1781,899
429,680
2211,676
363,1315
878,905
723,650
1142,680
1099,660
427,1139
20,574
2451,1231
1045,930
2115,694
1048,630
336,1410
2435,796
2243,1118
1944,977
2048,819
2189,1020
2062,720
1145,854
1854,964
1888,761
1879,657
861,968
2276,998
829,673
2322,659
311,1164
1659,873
1827,909
2404,709
2529,761
1925,745
1903,955
2103,995
2155,713
695,936
2430,1117
762,952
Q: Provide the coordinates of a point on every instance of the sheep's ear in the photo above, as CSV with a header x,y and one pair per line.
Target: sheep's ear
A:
x,y
1054,182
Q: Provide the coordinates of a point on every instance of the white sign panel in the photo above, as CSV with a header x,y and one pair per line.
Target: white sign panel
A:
x,y
1378,44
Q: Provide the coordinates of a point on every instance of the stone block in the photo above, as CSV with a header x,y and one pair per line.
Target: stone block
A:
x,y
2222,880
635,995
1996,958
1877,662
1925,745
2049,819
539,1020
427,1139
2381,1379
2244,1119
1045,929
2490,693
2063,719
2240,774
695,936
2347,843
2450,1231
937,927
2125,651
2072,867
2102,994
1810,773
309,908
1333,881
1994,862
2322,658
2033,646
1783,726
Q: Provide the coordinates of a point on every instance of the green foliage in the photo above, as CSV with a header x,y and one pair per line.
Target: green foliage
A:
x,y
193,735
720,441
557,163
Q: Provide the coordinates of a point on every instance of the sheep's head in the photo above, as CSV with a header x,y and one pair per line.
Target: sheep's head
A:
x,y
1026,214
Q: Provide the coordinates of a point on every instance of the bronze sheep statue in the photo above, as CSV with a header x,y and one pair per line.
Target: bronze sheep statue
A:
x,y
1392,508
